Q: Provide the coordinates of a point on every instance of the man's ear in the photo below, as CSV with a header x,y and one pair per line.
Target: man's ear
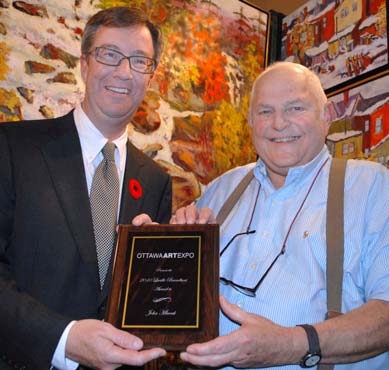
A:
x,y
84,66
326,115
250,117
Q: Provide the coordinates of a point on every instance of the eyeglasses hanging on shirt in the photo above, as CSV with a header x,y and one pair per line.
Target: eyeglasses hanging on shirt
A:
x,y
251,291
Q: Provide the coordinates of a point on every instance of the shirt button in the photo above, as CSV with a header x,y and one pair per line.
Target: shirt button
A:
x,y
253,266
265,234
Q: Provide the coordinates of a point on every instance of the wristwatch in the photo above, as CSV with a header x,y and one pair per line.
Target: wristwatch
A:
x,y
313,356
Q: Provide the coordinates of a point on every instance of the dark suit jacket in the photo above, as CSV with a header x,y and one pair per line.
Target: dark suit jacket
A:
x,y
48,263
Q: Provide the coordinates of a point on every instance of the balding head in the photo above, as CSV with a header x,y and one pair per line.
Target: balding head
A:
x,y
313,84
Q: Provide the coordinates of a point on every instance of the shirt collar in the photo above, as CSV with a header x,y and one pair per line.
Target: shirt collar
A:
x,y
92,140
296,175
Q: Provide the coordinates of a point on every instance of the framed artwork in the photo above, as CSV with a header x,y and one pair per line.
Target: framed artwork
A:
x,y
341,41
193,118
360,121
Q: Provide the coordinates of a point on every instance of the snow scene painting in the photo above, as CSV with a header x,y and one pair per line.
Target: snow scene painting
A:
x,y
193,119
338,39
360,122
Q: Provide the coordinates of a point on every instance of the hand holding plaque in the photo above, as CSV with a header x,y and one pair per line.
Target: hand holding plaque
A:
x,y
164,285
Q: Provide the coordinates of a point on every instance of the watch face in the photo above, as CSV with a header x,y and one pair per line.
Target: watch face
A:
x,y
312,360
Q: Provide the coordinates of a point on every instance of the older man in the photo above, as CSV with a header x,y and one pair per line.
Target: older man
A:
x,y
273,242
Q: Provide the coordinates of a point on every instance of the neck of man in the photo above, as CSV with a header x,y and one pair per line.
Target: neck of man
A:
x,y
112,133
109,128
277,179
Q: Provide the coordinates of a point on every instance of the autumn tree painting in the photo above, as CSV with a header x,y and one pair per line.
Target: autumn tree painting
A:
x,y
193,120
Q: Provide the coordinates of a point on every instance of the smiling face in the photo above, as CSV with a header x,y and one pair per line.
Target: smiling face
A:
x,y
113,94
289,120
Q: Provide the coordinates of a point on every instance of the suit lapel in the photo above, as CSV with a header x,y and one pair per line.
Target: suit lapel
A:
x,y
63,156
130,206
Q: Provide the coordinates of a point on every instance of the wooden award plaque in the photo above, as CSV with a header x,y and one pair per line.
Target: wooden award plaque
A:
x,y
165,284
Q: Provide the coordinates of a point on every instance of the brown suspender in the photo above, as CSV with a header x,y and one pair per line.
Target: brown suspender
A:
x,y
335,241
335,236
335,233
233,198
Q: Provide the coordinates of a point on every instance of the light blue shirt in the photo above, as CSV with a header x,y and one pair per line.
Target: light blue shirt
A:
x,y
294,291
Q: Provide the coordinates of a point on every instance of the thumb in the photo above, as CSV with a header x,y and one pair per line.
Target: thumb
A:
x,y
232,311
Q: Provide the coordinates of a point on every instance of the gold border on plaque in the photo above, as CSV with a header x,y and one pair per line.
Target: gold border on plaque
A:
x,y
195,326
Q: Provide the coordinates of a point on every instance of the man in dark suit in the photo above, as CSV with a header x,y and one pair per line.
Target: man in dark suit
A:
x,y
52,297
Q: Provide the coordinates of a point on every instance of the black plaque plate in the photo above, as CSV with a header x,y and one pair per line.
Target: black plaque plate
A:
x,y
165,284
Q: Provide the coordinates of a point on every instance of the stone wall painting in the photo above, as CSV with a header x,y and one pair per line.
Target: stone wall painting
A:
x,y
360,121
341,41
193,119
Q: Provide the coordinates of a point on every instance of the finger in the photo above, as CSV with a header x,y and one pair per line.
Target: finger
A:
x,y
186,215
126,349
208,361
173,220
124,339
140,358
206,216
179,215
217,352
191,214
215,347
142,219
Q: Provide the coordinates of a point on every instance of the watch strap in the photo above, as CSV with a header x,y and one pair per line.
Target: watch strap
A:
x,y
313,338
313,344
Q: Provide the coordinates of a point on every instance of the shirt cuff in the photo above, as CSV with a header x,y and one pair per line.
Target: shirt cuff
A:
x,y
59,361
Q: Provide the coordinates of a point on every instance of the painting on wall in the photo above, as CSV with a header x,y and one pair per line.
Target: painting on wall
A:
x,y
360,122
340,40
193,118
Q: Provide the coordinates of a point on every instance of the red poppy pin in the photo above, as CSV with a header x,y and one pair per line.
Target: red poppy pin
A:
x,y
135,188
